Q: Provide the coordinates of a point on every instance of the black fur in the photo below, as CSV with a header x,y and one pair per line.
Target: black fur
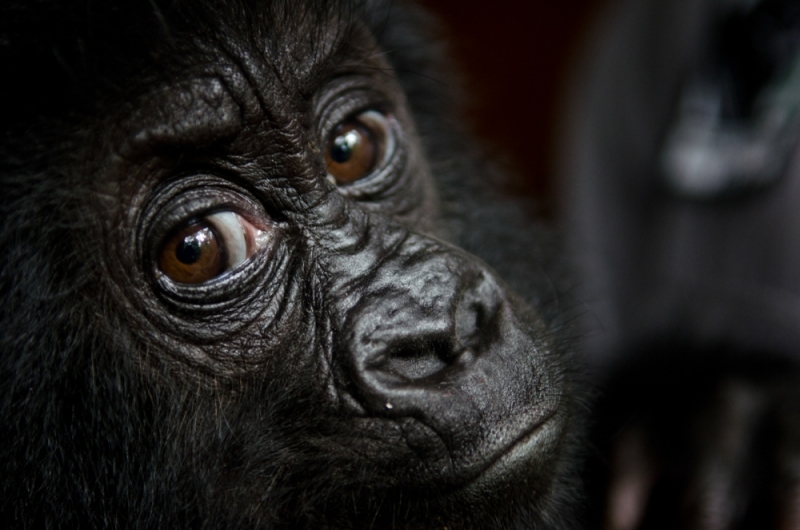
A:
x,y
121,410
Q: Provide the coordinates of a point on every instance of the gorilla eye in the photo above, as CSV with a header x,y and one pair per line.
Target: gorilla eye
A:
x,y
209,247
359,146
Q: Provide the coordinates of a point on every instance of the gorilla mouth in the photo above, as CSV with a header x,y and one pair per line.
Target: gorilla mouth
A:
x,y
520,457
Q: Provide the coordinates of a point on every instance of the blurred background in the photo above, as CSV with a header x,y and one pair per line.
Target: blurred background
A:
x,y
516,57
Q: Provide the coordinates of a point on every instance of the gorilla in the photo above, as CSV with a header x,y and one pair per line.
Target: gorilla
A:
x,y
255,276
682,160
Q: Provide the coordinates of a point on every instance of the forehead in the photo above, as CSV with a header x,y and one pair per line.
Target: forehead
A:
x,y
263,62
279,43
280,40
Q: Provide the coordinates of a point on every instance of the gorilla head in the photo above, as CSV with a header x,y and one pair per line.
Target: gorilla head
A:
x,y
228,299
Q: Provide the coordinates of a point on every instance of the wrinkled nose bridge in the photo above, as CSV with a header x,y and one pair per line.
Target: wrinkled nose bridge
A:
x,y
352,244
423,317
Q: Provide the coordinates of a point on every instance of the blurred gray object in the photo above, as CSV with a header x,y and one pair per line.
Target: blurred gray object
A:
x,y
681,176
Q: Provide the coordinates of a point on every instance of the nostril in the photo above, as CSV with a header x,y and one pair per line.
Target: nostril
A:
x,y
476,316
415,346
471,325
417,358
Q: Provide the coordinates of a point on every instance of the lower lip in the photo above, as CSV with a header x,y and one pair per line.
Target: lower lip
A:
x,y
520,458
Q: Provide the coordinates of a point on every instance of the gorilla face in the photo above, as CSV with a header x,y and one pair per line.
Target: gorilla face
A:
x,y
228,298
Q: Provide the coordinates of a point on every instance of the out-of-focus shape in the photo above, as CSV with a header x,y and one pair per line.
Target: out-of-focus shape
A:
x,y
738,116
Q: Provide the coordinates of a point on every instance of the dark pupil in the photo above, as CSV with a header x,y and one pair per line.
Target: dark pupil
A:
x,y
343,147
188,251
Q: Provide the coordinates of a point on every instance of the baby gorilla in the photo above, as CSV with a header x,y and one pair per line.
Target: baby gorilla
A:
x,y
231,295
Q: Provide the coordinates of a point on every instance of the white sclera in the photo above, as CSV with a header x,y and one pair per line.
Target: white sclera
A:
x,y
238,237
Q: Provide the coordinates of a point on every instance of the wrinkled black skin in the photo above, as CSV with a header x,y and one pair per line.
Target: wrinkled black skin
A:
x,y
259,400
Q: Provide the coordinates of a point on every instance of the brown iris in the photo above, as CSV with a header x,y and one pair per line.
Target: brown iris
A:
x,y
192,255
351,153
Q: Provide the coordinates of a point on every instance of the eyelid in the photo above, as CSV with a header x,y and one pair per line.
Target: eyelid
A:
x,y
348,97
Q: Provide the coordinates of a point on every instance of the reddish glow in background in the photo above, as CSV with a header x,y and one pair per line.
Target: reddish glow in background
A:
x,y
516,56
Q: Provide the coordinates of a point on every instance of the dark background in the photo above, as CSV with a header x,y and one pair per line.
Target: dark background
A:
x,y
516,57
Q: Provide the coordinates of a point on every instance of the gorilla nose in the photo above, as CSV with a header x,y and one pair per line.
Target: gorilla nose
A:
x,y
416,337
435,344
